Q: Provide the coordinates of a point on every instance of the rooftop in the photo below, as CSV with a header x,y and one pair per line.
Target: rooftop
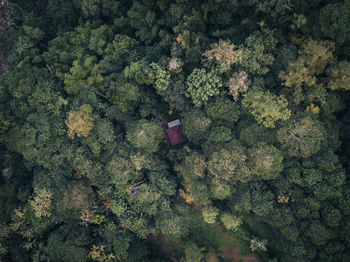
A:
x,y
174,132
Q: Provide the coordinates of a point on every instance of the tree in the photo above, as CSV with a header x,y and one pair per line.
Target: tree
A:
x,y
59,248
220,188
202,85
256,243
142,17
6,122
82,75
223,109
318,233
5,19
317,55
80,122
219,134
193,253
331,216
296,76
195,125
270,8
209,214
176,95
126,95
141,72
98,253
262,200
104,131
42,203
265,161
339,76
162,78
266,108
79,196
224,54
257,56
196,165
238,83
171,225
301,136
314,57
121,170
334,21
230,164
93,8
254,134
145,135
230,221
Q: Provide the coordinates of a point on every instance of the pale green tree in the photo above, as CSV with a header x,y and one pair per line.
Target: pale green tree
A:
x,y
209,214
145,135
301,136
265,161
230,221
266,107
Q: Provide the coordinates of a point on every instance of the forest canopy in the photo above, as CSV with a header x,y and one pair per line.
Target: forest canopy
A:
x,y
175,130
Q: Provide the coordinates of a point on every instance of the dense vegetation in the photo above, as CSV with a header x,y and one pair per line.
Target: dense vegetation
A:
x,y
262,90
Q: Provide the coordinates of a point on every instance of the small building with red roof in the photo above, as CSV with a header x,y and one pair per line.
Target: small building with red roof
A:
x,y
174,133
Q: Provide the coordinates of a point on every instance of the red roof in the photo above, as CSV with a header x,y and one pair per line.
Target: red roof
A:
x,y
175,135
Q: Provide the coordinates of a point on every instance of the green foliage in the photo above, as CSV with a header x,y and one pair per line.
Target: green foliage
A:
x,y
272,8
104,70
195,125
257,56
104,131
5,123
262,200
301,136
220,134
229,164
209,214
319,234
145,135
41,203
58,249
313,59
230,221
255,133
317,55
162,78
78,196
266,108
334,21
141,72
202,85
339,76
143,19
266,161
84,74
93,8
172,226
222,109
126,95
193,253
